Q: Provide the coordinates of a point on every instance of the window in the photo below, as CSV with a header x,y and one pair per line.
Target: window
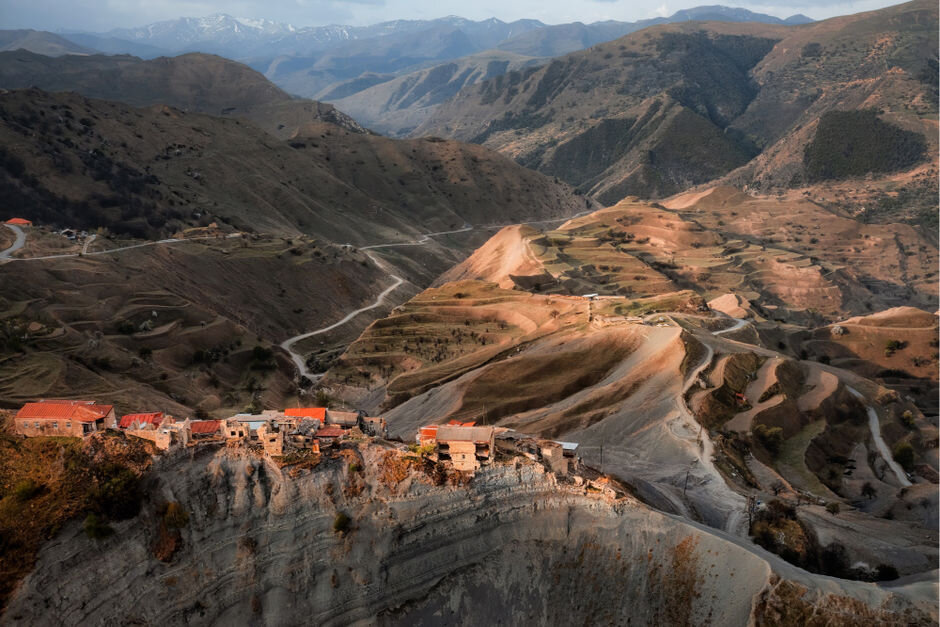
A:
x,y
36,424
68,424
55,425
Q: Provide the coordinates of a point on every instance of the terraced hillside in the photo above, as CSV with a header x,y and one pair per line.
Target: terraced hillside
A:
x,y
167,326
813,264
663,389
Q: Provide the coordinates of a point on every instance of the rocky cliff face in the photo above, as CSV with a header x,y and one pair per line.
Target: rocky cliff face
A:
x,y
513,546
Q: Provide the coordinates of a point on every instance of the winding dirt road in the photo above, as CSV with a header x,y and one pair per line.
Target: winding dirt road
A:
x,y
880,444
298,358
289,343
18,243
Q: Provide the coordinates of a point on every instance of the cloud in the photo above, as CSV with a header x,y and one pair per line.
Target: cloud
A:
x,y
662,10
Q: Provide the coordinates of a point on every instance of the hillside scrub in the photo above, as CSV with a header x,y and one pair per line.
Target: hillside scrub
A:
x,y
855,143
46,482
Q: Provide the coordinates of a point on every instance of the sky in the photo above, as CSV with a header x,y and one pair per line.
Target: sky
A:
x,y
103,15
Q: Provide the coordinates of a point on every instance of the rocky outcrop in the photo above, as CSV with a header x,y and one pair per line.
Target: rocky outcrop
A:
x,y
512,546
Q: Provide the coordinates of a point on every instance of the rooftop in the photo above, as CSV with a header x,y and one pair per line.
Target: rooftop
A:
x,y
318,413
81,411
153,418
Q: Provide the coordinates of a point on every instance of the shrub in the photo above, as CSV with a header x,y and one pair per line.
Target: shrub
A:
x,y
26,489
907,419
886,572
341,523
869,491
95,528
117,494
770,438
175,517
904,455
834,560
833,508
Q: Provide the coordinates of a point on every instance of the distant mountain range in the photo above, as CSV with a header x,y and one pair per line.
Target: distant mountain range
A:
x,y
310,60
677,105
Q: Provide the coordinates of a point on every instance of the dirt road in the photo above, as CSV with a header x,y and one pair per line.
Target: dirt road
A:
x,y
18,243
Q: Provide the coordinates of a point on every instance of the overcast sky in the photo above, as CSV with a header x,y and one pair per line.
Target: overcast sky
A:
x,y
102,15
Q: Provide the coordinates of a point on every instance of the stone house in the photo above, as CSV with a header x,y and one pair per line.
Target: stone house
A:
x,y
63,418
141,422
467,448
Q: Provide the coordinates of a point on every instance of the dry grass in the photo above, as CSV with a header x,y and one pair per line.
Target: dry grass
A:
x,y
46,482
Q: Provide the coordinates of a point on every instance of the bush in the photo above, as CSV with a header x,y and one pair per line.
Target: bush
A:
x,y
95,528
341,523
907,419
117,494
26,489
833,508
770,438
175,517
834,560
904,455
886,572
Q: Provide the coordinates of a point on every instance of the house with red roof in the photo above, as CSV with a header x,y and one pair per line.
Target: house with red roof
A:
x,y
19,222
328,435
141,422
205,428
63,418
314,413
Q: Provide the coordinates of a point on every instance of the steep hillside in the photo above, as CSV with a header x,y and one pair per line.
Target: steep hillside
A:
x,y
40,42
674,106
192,82
86,163
168,326
260,542
396,107
666,392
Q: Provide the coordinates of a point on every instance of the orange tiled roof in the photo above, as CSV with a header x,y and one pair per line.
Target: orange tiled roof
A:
x,y
154,418
330,432
204,426
317,413
82,411
19,221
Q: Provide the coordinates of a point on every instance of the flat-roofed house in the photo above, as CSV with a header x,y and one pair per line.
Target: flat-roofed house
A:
x,y
467,448
63,418
344,419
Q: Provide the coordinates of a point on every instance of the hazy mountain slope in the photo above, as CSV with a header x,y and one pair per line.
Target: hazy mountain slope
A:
x,y
653,123
87,163
40,42
243,38
677,105
396,107
193,82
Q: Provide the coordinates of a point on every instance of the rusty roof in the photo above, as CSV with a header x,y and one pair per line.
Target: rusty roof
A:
x,y
204,426
319,413
330,432
82,411
153,418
